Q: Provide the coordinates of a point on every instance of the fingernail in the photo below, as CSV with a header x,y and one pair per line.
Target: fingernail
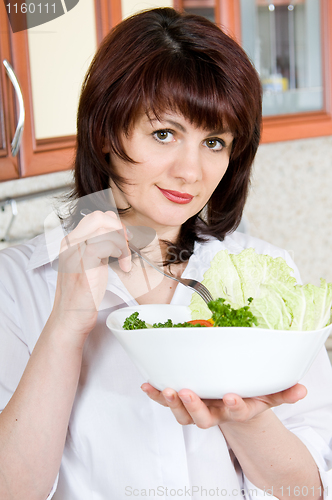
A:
x,y
125,264
230,402
129,234
144,390
169,397
186,398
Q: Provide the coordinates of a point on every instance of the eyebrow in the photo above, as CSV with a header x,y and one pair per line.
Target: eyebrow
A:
x,y
221,131
174,124
182,128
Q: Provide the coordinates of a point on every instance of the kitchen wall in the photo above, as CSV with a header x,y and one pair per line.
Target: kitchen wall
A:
x,y
290,202
31,213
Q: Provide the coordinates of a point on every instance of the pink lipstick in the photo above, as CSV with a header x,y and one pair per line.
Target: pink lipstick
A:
x,y
176,196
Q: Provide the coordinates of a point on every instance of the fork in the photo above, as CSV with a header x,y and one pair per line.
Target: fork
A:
x,y
197,286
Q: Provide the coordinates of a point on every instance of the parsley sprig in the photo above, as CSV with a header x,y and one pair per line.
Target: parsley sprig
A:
x,y
222,314
133,322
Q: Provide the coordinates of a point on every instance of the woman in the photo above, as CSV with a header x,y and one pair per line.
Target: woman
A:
x,y
168,123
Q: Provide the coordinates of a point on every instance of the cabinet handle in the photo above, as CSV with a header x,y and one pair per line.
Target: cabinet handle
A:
x,y
15,145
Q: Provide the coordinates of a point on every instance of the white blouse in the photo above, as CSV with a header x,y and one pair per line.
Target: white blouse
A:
x,y
120,444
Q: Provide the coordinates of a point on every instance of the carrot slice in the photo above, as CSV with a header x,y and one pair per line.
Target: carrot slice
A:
x,y
203,322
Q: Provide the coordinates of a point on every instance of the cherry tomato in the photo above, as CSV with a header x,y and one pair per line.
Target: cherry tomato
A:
x,y
203,322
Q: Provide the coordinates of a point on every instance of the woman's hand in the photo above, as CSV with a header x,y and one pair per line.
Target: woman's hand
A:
x,y
83,271
188,408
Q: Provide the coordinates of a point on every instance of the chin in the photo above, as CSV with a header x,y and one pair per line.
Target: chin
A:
x,y
169,216
172,221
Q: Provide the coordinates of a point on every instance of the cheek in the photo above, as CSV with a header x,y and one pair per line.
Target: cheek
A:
x,y
216,174
149,172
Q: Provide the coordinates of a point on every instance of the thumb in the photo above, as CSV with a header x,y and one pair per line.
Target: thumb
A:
x,y
294,394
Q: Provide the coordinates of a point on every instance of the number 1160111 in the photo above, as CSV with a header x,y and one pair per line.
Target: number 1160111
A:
x,y
30,8
303,491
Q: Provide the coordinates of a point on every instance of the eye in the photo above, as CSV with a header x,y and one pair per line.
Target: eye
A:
x,y
163,135
214,144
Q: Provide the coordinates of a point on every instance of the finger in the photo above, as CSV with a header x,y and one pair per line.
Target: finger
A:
x,y
98,226
91,223
153,394
117,238
105,234
241,410
178,409
97,254
98,236
288,396
81,257
125,260
202,416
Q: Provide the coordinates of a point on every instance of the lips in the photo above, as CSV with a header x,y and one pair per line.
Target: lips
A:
x,y
176,196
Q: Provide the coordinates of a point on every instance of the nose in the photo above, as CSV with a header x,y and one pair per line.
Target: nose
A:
x,y
188,165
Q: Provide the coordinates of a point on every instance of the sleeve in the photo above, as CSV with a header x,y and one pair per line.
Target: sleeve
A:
x,y
311,421
14,354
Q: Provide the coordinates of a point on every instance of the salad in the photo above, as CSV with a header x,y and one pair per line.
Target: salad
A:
x,y
222,315
278,302
275,300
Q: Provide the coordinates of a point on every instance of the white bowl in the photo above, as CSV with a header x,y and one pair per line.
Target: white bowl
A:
x,y
215,361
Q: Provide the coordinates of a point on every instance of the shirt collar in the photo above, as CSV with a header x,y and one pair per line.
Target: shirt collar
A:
x,y
46,247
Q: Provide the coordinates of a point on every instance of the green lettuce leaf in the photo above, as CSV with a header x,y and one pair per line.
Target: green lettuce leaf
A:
x,y
310,305
270,310
278,302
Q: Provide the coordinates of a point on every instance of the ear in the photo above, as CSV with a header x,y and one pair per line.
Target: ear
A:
x,y
106,149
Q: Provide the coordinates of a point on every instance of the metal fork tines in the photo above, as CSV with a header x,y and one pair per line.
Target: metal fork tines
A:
x,y
197,286
193,284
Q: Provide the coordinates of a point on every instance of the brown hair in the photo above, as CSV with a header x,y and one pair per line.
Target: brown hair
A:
x,y
160,60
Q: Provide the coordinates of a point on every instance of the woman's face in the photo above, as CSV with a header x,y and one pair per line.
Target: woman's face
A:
x,y
179,166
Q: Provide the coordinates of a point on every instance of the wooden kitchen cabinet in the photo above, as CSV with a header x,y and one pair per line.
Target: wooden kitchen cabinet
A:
x,y
287,124
48,139
225,13
8,164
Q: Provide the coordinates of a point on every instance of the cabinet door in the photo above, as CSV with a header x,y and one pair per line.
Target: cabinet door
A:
x,y
8,163
297,68
50,62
